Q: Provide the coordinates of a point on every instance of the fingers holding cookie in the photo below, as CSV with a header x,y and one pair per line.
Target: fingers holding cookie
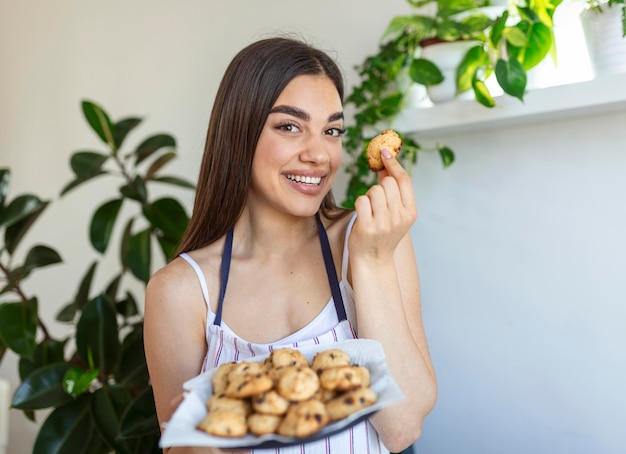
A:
x,y
387,139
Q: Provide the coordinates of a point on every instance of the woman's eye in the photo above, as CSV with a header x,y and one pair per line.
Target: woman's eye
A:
x,y
288,127
335,132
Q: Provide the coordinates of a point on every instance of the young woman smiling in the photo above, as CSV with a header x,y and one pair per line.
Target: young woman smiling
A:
x,y
269,260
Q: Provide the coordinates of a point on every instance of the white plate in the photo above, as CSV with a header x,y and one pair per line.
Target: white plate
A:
x,y
181,429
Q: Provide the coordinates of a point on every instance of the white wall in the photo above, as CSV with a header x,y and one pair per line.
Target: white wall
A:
x,y
522,254
520,243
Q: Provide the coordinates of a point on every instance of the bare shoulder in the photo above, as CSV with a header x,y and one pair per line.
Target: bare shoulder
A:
x,y
172,281
337,226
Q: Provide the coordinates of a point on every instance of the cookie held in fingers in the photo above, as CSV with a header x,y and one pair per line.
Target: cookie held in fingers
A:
x,y
388,139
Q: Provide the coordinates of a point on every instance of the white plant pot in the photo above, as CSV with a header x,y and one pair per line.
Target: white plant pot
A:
x,y
605,44
447,57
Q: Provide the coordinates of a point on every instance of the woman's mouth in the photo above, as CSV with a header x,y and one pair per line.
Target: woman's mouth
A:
x,y
313,181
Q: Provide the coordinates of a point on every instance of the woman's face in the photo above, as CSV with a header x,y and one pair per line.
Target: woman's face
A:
x,y
299,151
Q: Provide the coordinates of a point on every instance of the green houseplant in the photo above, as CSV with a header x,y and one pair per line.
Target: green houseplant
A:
x,y
95,380
508,45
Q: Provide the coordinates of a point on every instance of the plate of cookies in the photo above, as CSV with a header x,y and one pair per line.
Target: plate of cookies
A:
x,y
288,397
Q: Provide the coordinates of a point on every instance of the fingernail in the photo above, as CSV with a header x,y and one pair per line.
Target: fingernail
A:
x,y
386,153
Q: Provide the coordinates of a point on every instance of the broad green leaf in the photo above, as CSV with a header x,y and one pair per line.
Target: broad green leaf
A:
x,y
122,128
18,326
136,190
87,164
515,37
127,307
40,256
168,246
99,121
96,333
20,208
15,232
159,163
140,417
67,430
128,230
425,72
102,224
132,369
43,388
176,181
495,35
474,58
446,154
481,92
107,407
5,179
3,348
167,215
539,44
77,380
153,144
112,288
48,351
67,313
139,255
511,77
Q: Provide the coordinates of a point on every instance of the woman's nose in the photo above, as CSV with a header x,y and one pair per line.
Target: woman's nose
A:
x,y
315,150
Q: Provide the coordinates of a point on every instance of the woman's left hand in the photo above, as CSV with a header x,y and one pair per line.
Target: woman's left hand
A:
x,y
385,213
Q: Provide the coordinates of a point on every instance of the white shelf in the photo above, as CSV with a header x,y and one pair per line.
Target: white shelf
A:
x,y
601,95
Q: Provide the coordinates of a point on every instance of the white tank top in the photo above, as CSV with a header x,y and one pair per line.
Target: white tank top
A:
x,y
325,329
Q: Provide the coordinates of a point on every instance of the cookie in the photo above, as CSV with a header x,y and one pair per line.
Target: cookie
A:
x,y
330,358
303,419
324,395
350,402
220,378
222,402
224,423
247,380
270,403
298,383
283,357
263,424
344,378
388,139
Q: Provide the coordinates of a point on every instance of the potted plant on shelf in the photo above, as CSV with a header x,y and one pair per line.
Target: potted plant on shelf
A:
x,y
604,27
507,41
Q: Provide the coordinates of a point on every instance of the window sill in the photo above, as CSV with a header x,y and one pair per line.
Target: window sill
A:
x,y
600,95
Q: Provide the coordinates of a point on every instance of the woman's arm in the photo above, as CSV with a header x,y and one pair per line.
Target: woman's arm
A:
x,y
385,280
174,339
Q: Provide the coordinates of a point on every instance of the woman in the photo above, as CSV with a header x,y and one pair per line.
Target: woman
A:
x,y
252,274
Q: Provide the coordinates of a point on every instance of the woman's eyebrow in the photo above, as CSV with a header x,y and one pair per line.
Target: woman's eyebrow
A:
x,y
301,114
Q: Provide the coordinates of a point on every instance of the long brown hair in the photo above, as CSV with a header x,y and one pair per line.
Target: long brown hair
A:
x,y
250,86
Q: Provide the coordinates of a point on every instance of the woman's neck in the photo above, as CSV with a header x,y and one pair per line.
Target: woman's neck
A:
x,y
275,234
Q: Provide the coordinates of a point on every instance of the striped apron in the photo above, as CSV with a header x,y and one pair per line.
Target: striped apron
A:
x,y
224,346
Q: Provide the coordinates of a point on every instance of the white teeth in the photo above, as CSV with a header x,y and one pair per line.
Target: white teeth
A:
x,y
306,180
